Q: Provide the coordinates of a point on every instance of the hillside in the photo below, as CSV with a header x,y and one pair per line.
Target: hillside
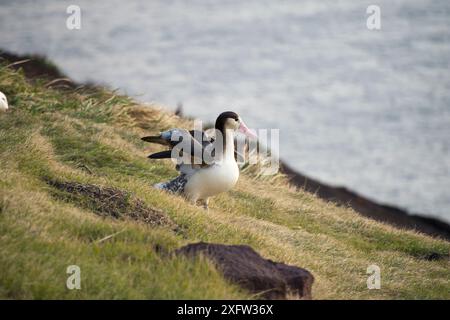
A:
x,y
57,136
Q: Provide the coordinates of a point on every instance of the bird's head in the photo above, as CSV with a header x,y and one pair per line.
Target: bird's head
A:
x,y
230,120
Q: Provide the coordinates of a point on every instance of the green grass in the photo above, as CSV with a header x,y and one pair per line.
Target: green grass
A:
x,y
93,136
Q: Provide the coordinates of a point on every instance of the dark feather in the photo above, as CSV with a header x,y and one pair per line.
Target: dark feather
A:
x,y
161,155
199,141
155,139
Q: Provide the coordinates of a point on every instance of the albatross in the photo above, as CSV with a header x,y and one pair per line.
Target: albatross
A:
x,y
3,102
206,163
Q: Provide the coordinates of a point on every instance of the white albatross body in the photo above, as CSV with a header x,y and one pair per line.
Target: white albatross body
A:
x,y
220,177
199,182
3,102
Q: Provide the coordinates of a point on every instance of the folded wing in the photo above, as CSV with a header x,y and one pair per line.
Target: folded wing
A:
x,y
196,139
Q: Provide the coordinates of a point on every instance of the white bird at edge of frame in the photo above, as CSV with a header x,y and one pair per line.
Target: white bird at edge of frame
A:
x,y
3,102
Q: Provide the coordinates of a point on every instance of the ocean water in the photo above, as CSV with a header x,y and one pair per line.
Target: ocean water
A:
x,y
365,109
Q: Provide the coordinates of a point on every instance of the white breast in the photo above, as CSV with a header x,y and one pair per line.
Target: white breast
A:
x,y
3,102
210,181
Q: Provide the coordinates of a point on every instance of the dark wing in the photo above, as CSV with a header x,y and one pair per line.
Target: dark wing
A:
x,y
161,155
198,140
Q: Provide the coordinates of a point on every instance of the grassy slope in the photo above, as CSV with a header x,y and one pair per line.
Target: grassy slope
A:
x,y
51,133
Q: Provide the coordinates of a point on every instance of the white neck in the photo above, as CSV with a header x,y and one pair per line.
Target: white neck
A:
x,y
228,148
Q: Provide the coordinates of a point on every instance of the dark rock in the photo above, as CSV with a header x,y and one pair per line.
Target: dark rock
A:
x,y
243,266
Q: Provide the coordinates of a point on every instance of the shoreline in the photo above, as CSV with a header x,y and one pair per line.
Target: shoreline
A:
x,y
392,215
38,67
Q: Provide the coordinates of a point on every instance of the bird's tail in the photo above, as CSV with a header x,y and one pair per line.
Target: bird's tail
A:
x,y
174,186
